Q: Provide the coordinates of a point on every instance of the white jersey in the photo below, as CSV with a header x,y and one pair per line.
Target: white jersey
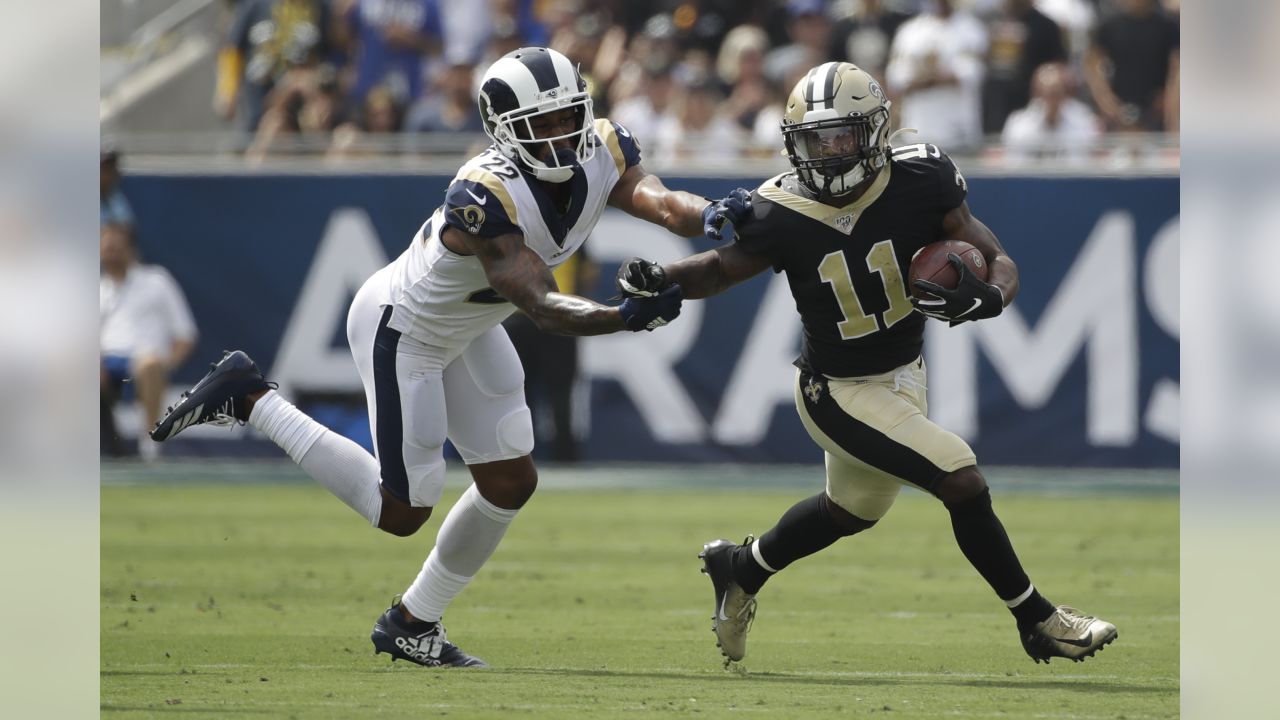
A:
x,y
442,298
143,314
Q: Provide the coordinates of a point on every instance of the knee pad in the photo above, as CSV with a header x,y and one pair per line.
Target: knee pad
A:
x,y
515,432
426,483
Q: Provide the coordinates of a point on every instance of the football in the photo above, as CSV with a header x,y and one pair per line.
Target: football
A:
x,y
930,263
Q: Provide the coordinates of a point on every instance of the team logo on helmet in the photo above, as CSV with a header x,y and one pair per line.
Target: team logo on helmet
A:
x,y
876,90
471,216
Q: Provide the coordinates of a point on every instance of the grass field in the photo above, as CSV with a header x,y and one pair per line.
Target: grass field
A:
x,y
256,600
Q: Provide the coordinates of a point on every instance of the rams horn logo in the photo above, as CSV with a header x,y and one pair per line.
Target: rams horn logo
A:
x,y
471,216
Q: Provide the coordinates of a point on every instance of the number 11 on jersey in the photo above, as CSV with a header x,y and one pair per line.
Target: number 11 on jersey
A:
x,y
881,259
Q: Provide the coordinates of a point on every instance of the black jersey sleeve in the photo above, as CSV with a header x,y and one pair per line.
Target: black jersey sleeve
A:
x,y
952,187
935,184
762,236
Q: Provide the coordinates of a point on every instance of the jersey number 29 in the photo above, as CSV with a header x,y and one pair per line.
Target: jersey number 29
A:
x,y
857,323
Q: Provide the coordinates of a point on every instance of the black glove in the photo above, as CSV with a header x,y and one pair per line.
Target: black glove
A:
x,y
972,299
638,277
647,313
734,208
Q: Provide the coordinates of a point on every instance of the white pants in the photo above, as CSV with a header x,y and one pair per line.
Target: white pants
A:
x,y
419,395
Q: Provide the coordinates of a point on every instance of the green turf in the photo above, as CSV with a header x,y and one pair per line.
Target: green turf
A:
x,y
257,601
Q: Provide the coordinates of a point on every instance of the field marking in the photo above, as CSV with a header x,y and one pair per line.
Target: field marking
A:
x,y
834,674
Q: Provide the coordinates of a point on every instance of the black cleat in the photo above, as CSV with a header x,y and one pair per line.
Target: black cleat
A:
x,y
421,643
218,399
1067,633
735,609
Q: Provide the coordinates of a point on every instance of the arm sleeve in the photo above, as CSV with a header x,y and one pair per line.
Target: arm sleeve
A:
x,y
479,204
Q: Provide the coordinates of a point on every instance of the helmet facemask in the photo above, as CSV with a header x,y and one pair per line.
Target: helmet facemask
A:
x,y
833,156
514,135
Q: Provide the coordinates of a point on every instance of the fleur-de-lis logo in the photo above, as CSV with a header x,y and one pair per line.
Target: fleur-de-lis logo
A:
x,y
813,390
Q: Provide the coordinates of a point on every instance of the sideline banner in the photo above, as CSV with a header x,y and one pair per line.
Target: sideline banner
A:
x,y
1081,371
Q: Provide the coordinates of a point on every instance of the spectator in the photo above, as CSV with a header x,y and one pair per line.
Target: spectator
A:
x,y
390,41
864,38
1076,18
380,115
740,67
643,113
1132,68
552,387
1054,124
935,70
146,331
113,206
306,102
452,109
697,132
810,33
266,38
1022,39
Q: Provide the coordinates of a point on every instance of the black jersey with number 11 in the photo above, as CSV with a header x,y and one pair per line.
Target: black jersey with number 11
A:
x,y
847,266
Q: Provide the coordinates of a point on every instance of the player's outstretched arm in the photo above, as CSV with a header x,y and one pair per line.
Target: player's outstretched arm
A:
x,y
518,274
960,224
644,196
714,271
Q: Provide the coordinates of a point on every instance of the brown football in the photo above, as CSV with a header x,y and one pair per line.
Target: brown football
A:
x,y
930,263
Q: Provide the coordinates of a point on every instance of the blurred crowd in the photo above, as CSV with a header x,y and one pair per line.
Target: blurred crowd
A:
x,y
705,80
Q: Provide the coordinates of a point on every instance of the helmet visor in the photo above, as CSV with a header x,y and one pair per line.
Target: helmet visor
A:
x,y
832,147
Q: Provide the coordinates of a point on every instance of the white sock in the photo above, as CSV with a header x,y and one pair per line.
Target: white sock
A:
x,y
339,464
468,536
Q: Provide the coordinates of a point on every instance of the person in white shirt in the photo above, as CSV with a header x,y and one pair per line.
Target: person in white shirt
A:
x,y
146,329
1053,124
935,75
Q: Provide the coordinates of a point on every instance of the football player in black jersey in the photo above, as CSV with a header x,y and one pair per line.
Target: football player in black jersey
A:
x,y
844,225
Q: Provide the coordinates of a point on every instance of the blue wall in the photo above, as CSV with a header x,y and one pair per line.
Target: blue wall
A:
x,y
1082,371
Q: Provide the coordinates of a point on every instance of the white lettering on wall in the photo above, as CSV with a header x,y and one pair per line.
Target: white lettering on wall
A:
x,y
347,255
1094,307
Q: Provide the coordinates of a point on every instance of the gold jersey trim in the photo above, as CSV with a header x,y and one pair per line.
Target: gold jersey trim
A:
x,y
609,135
495,186
841,219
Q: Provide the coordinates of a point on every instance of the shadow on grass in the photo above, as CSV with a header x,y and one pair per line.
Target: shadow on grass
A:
x,y
1019,683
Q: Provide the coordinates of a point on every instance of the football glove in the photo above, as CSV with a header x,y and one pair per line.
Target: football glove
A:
x,y
734,209
972,299
638,277
648,313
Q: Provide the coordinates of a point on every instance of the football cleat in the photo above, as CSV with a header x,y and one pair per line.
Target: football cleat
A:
x,y
735,609
423,643
1067,633
218,399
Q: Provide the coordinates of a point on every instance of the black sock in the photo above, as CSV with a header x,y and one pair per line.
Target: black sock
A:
x,y
984,542
807,527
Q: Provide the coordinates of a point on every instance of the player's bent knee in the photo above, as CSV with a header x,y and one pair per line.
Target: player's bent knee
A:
x,y
848,523
400,518
960,485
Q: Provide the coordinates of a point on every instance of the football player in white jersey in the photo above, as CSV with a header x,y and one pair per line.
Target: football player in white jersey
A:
x,y
426,336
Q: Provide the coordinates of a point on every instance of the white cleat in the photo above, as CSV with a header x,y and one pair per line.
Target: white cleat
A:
x,y
735,609
1067,633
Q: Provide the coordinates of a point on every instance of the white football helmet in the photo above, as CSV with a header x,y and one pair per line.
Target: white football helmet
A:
x,y
836,128
526,83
